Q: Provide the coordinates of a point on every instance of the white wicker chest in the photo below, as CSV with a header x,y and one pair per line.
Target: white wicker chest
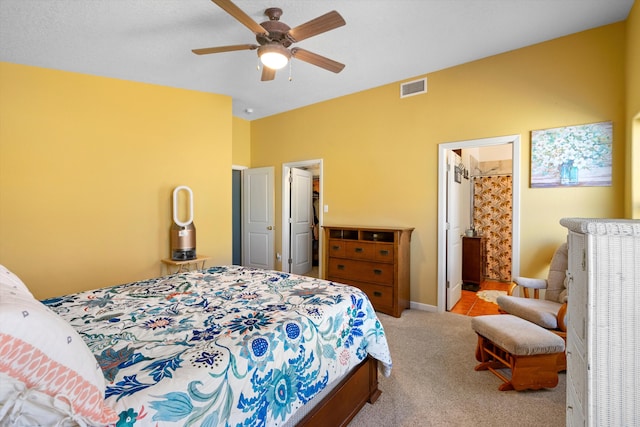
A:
x,y
603,337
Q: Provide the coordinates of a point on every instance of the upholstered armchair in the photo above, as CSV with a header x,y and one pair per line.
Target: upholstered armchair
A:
x,y
549,312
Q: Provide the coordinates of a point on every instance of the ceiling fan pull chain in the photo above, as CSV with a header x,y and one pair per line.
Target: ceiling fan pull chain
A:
x,y
290,78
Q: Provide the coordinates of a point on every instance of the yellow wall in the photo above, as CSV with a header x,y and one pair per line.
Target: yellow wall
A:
x,y
87,164
633,112
241,155
87,169
380,151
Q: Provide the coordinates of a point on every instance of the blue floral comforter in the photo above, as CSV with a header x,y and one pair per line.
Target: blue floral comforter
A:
x,y
227,345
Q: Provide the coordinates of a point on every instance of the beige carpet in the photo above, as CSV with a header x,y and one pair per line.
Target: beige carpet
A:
x,y
433,382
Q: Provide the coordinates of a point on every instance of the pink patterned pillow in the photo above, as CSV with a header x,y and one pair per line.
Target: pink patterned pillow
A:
x,y
47,372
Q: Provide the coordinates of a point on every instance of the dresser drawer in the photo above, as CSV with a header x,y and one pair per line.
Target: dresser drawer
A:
x,y
380,296
370,251
360,250
336,248
384,252
362,271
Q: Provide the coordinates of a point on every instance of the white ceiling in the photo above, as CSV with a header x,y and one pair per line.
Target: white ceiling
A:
x,y
384,41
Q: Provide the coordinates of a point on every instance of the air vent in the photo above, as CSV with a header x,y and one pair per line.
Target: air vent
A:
x,y
415,87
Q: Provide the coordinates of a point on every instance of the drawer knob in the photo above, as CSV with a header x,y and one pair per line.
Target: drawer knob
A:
x,y
377,294
335,247
384,252
359,250
340,266
377,271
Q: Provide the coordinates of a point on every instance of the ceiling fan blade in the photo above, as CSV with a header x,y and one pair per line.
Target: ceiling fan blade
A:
x,y
219,49
318,60
268,74
242,17
320,25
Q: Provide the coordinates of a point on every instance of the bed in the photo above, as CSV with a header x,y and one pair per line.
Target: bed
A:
x,y
227,345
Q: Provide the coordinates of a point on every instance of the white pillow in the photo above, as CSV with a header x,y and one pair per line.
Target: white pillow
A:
x,y
9,281
51,368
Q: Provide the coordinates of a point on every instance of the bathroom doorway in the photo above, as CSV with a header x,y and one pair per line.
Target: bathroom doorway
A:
x,y
444,234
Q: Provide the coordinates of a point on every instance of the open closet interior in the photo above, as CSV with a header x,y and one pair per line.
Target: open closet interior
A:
x,y
315,248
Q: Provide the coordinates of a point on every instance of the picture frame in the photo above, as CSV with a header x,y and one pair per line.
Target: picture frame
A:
x,y
572,156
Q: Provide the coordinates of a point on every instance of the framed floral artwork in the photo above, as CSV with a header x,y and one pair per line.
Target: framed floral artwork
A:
x,y
572,156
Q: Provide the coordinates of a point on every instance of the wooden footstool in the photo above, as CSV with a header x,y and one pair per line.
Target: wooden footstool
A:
x,y
530,351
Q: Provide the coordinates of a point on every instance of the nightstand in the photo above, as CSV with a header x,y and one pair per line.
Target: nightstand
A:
x,y
186,265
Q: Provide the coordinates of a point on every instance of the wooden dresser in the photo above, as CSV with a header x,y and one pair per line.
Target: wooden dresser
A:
x,y
374,259
473,260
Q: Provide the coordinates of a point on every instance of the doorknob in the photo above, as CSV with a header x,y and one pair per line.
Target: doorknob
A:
x,y
269,227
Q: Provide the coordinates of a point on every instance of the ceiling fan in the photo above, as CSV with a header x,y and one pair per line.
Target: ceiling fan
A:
x,y
275,37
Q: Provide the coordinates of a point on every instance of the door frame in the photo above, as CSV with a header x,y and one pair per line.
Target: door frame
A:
x,y
236,215
442,208
286,186
301,224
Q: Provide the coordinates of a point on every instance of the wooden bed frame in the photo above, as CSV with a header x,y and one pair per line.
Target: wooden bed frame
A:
x,y
347,398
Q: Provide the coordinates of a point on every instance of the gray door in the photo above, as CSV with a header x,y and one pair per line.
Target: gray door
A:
x,y
258,218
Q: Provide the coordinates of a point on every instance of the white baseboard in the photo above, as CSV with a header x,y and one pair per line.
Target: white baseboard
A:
x,y
424,307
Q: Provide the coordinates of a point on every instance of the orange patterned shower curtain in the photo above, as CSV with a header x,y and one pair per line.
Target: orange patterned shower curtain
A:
x,y
492,208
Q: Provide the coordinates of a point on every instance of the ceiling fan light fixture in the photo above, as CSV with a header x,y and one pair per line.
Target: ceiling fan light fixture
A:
x,y
274,56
